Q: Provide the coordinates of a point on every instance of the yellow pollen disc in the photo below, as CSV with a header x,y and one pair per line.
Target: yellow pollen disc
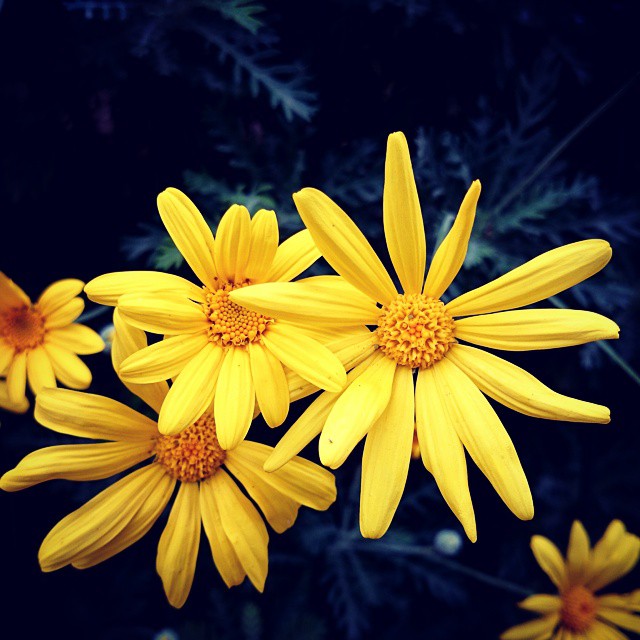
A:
x,y
579,608
22,327
230,324
415,330
194,454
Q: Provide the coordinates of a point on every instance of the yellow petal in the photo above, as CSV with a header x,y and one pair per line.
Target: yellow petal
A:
x,y
190,233
75,462
440,446
578,553
343,245
627,602
530,329
235,398
515,388
606,546
305,356
620,618
270,382
64,314
178,546
106,289
11,295
166,314
538,279
69,369
86,415
233,243
385,461
17,407
450,255
619,562
484,437
321,300
77,338
532,630
602,631
355,411
402,218
162,360
58,294
550,559
6,356
264,244
17,378
192,392
294,255
541,603
39,370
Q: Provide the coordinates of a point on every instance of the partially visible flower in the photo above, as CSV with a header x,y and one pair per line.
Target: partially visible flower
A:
x,y
39,342
448,542
576,612
107,333
214,349
194,460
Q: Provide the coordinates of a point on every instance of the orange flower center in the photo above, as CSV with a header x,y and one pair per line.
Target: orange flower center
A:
x,y
230,324
194,454
579,607
22,327
415,330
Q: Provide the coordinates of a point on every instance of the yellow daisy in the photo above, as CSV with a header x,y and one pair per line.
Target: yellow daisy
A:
x,y
207,495
415,332
576,612
216,349
39,342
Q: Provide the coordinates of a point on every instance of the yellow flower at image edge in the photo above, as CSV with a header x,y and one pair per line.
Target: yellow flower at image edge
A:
x,y
39,342
207,497
576,612
415,332
214,347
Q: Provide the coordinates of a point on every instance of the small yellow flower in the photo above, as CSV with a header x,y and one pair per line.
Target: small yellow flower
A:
x,y
576,612
207,497
215,349
39,342
415,332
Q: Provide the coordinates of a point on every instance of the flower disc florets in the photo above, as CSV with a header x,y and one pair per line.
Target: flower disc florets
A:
x,y
22,327
579,607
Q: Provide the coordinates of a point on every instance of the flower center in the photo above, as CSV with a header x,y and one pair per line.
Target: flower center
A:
x,y
22,327
415,330
579,608
194,454
230,324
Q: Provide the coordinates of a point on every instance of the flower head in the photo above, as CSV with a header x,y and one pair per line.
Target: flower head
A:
x,y
39,342
576,612
214,348
193,459
416,338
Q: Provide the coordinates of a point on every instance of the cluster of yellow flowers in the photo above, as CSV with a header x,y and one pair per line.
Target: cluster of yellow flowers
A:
x,y
247,339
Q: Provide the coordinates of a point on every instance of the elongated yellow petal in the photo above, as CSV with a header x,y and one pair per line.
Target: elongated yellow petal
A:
x,y
358,407
321,300
11,295
190,233
178,546
578,553
622,619
69,369
294,255
77,338
343,245
75,462
619,562
233,243
530,329
538,279
17,378
17,407
515,388
162,360
450,255
6,356
386,457
192,392
402,217
484,437
440,446
541,603
305,356
39,370
605,547
58,294
235,398
626,602
532,630
86,415
550,559
602,631
106,289
270,382
264,244
64,314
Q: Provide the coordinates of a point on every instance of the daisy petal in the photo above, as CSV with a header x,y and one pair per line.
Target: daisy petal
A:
x,y
6,356
178,546
451,253
606,546
65,314
233,242
270,382
519,390
58,294
621,619
11,295
293,256
601,631
619,562
531,329
18,407
69,369
77,338
17,378
627,602
541,603
343,245
550,560
190,233
39,370
538,279
532,630
402,217
264,244
578,553
385,462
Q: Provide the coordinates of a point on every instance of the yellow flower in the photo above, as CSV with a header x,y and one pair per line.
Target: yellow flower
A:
x,y
39,342
217,348
576,612
416,332
207,496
